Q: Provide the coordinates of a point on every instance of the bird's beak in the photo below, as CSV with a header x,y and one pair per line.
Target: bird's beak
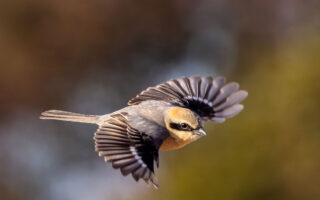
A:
x,y
199,132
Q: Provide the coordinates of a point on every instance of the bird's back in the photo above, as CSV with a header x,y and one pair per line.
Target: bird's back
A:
x,y
148,118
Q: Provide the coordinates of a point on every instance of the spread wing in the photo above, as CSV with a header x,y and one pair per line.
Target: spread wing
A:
x,y
127,149
211,98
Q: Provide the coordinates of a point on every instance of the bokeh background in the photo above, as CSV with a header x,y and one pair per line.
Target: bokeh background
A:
x,y
92,56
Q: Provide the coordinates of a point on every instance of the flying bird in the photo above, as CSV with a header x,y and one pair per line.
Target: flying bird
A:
x,y
167,116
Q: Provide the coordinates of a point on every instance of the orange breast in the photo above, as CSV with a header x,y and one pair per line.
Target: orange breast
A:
x,y
171,144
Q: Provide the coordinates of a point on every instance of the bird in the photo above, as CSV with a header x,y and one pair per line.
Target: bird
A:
x,y
164,117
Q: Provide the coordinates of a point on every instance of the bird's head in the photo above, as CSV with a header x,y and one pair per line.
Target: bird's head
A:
x,y
183,124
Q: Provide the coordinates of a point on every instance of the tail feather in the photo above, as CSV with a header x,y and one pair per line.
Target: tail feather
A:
x,y
69,116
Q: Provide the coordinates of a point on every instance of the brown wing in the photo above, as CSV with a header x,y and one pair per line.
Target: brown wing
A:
x,y
127,149
211,98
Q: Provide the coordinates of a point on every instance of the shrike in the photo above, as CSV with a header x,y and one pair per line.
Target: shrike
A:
x,y
167,116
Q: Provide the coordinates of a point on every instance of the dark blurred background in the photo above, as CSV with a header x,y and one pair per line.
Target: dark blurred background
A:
x,y
93,56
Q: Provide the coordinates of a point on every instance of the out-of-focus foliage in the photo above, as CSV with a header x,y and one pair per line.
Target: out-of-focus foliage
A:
x,y
92,56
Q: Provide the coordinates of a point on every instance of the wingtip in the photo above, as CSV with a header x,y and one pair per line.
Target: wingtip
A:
x,y
155,185
245,93
154,182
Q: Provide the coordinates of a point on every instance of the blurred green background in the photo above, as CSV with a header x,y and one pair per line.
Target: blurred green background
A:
x,y
93,56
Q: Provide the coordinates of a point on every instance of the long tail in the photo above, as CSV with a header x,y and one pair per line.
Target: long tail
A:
x,y
69,116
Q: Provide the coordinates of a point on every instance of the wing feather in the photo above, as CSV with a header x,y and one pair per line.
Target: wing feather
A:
x,y
209,97
217,83
127,149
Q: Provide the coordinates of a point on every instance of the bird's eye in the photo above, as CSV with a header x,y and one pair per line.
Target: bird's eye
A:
x,y
184,126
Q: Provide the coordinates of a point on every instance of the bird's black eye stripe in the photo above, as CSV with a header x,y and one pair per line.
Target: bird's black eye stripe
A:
x,y
174,126
181,126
